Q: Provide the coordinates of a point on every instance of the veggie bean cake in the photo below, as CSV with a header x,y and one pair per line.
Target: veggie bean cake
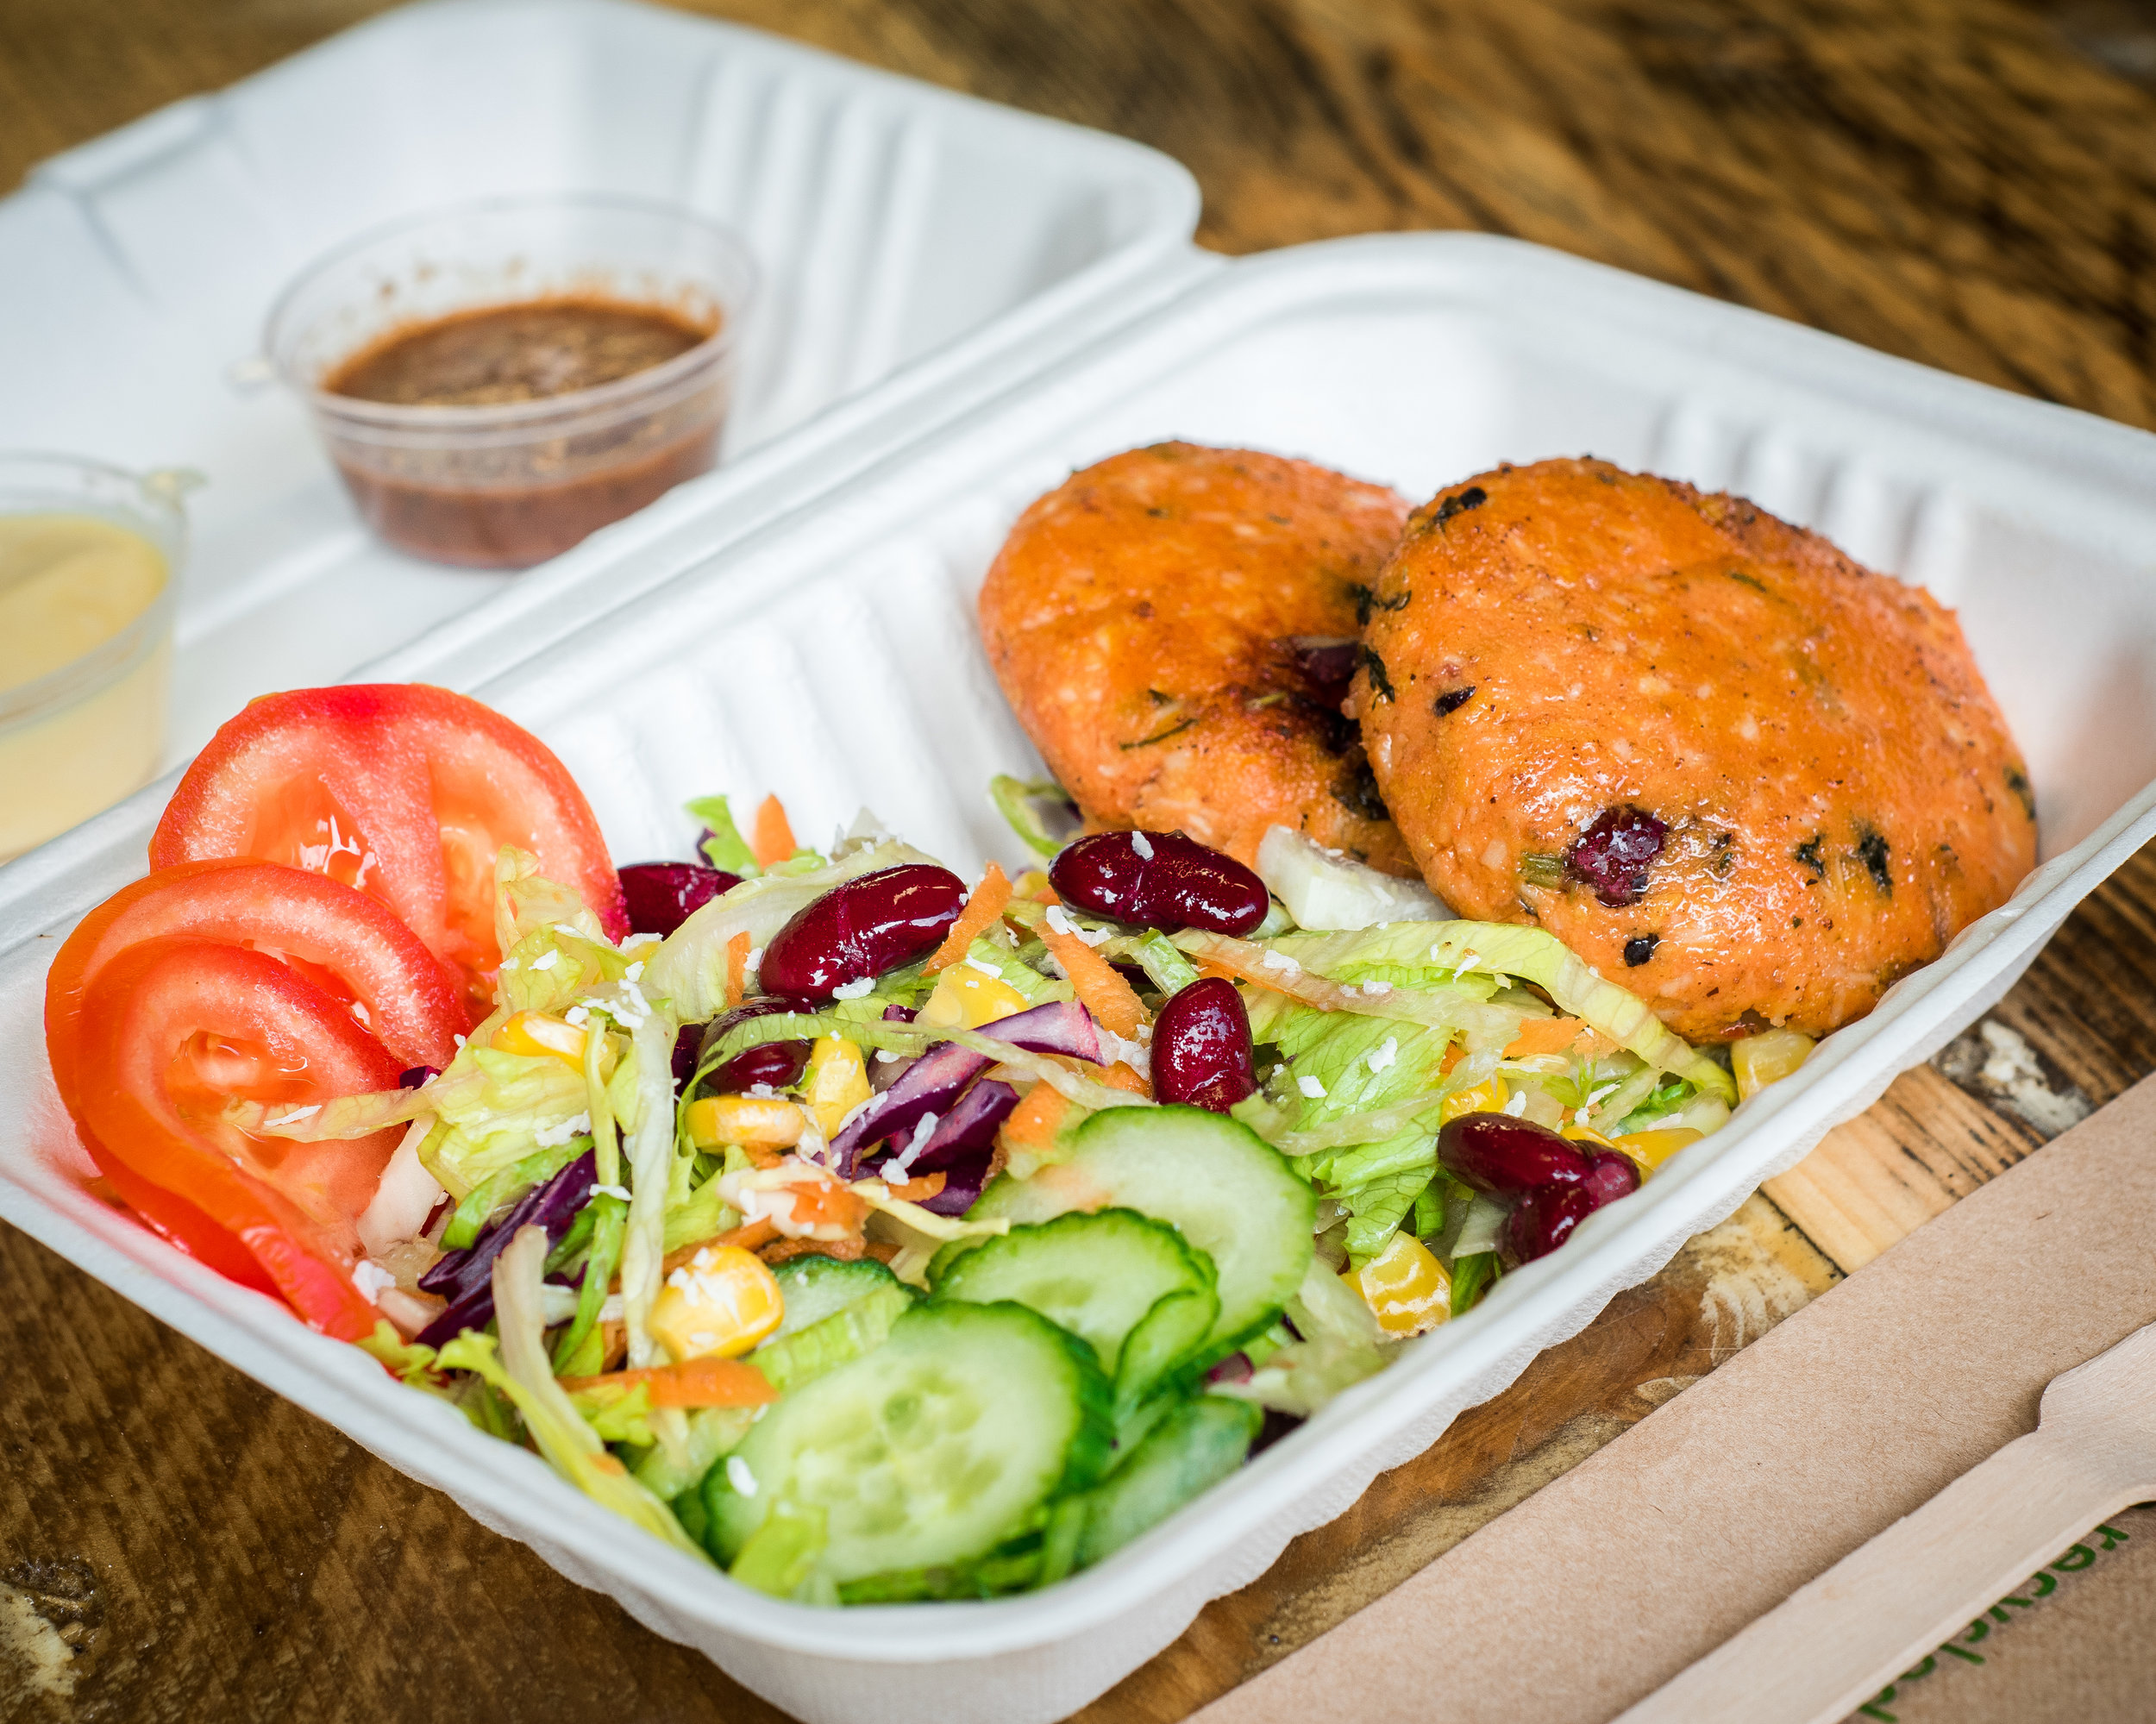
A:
x,y
1174,627
1704,748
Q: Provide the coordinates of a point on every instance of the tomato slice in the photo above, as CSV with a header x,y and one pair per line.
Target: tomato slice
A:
x,y
347,943
402,791
169,1029
179,1221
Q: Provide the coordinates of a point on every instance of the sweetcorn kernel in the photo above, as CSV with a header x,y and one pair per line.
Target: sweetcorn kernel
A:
x,y
838,1081
966,998
1489,1096
765,1122
1767,1057
717,1304
538,1033
1405,1287
1652,1148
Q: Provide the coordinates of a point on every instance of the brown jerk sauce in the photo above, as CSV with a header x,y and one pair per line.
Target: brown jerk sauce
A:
x,y
503,355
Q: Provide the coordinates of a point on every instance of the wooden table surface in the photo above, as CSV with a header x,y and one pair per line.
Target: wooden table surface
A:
x,y
1961,182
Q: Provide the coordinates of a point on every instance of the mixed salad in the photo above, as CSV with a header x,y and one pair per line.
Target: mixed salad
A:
x,y
874,1235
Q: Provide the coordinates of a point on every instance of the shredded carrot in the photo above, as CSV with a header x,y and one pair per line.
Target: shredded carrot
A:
x,y
696,1382
1543,1036
917,1190
982,909
1036,1119
1558,1036
1453,1055
737,968
748,1238
819,1204
1100,989
774,842
1122,1076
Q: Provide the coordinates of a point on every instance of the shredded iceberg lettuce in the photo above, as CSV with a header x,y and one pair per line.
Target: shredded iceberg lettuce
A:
x,y
650,1155
1041,813
521,1373
1325,888
1341,1345
1339,1069
1456,951
724,846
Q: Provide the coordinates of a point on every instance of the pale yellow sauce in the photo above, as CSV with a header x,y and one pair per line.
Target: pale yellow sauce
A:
x,y
68,585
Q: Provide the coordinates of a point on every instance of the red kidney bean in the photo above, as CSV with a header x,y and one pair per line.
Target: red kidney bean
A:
x,y
661,895
1497,1153
1545,1217
1611,1173
1613,854
1328,661
1543,1220
860,929
688,1043
1201,1047
777,1063
1159,879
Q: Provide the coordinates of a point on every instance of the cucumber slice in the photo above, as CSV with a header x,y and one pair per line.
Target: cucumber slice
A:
x,y
789,1360
933,1450
1223,1187
815,1286
1199,1444
1133,1287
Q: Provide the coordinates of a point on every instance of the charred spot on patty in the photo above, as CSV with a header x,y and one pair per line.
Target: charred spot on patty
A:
x,y
1640,948
1336,733
1356,789
1723,856
1452,700
1381,684
1871,851
1460,502
2017,781
1809,853
1612,856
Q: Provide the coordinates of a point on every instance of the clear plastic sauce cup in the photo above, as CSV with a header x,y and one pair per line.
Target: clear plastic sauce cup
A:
x,y
510,484
90,562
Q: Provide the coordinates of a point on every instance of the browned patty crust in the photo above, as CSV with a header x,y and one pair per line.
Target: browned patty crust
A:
x,y
1152,622
1728,767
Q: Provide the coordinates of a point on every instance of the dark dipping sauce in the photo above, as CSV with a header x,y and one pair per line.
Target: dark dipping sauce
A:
x,y
490,497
